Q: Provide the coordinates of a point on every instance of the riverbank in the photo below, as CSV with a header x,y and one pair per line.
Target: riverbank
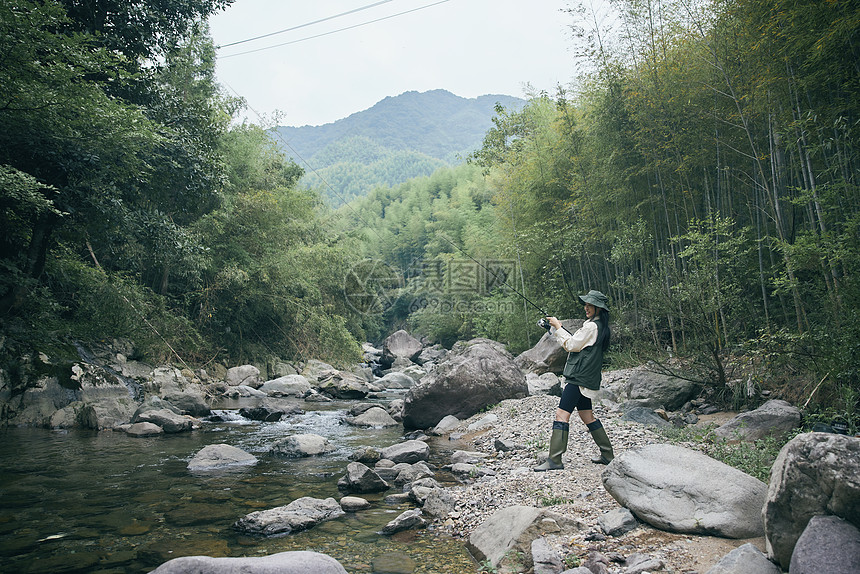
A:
x,y
577,491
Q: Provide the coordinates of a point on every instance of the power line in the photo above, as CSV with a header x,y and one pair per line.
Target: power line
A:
x,y
306,25
334,31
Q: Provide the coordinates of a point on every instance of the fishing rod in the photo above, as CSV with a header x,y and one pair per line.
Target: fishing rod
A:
x,y
499,280
495,275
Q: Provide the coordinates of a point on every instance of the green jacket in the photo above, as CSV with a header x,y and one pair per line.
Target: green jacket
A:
x,y
583,368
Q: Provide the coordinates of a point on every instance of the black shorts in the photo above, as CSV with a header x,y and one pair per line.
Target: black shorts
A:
x,y
572,398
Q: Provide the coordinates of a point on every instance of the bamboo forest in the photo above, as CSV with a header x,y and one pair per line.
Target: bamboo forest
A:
x,y
703,171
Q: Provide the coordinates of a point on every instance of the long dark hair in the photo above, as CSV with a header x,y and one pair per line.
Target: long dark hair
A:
x,y
604,333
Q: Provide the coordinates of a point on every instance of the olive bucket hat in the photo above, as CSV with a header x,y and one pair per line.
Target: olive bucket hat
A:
x,y
595,298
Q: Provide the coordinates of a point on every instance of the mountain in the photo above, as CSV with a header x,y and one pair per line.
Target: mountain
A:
x,y
399,138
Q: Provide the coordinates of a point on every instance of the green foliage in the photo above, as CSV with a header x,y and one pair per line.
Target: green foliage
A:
x,y
752,457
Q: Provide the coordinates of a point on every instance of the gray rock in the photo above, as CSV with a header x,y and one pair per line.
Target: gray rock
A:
x,y
545,384
814,474
400,345
682,490
395,380
248,375
547,356
544,558
828,544
655,390
314,368
645,416
354,503
143,429
366,455
746,559
298,562
637,563
220,456
375,417
408,520
301,514
598,563
512,529
447,423
395,409
485,421
286,386
263,413
244,391
410,451
280,369
414,472
617,522
302,445
774,418
191,401
578,570
439,503
342,385
166,419
475,375
360,478
432,355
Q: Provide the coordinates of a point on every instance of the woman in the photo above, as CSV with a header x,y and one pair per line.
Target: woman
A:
x,y
582,377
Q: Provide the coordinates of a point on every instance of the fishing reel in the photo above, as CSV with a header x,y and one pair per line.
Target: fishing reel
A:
x,y
544,323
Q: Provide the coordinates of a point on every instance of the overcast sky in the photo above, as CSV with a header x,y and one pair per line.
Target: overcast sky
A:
x,y
468,47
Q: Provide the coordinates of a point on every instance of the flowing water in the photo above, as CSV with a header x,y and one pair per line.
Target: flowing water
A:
x,y
106,502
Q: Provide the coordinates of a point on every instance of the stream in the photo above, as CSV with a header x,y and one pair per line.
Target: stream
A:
x,y
105,502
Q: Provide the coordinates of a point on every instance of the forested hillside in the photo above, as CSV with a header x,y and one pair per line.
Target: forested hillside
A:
x,y
704,175
705,178
401,137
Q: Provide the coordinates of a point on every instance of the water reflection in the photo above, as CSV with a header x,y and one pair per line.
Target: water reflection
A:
x,y
81,501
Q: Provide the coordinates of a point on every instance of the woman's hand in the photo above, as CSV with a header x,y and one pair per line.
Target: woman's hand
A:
x,y
554,322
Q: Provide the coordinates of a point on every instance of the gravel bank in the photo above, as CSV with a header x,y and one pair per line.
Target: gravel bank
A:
x,y
576,491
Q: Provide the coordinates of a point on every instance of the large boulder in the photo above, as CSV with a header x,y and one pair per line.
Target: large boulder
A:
x,y
400,345
296,562
547,356
342,385
408,520
243,375
90,397
656,390
361,478
814,474
774,418
410,452
302,446
166,419
746,559
220,456
286,386
475,375
828,544
682,490
396,380
301,514
511,530
375,417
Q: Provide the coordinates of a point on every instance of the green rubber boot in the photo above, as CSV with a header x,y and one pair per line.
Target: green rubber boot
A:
x,y
598,433
557,447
